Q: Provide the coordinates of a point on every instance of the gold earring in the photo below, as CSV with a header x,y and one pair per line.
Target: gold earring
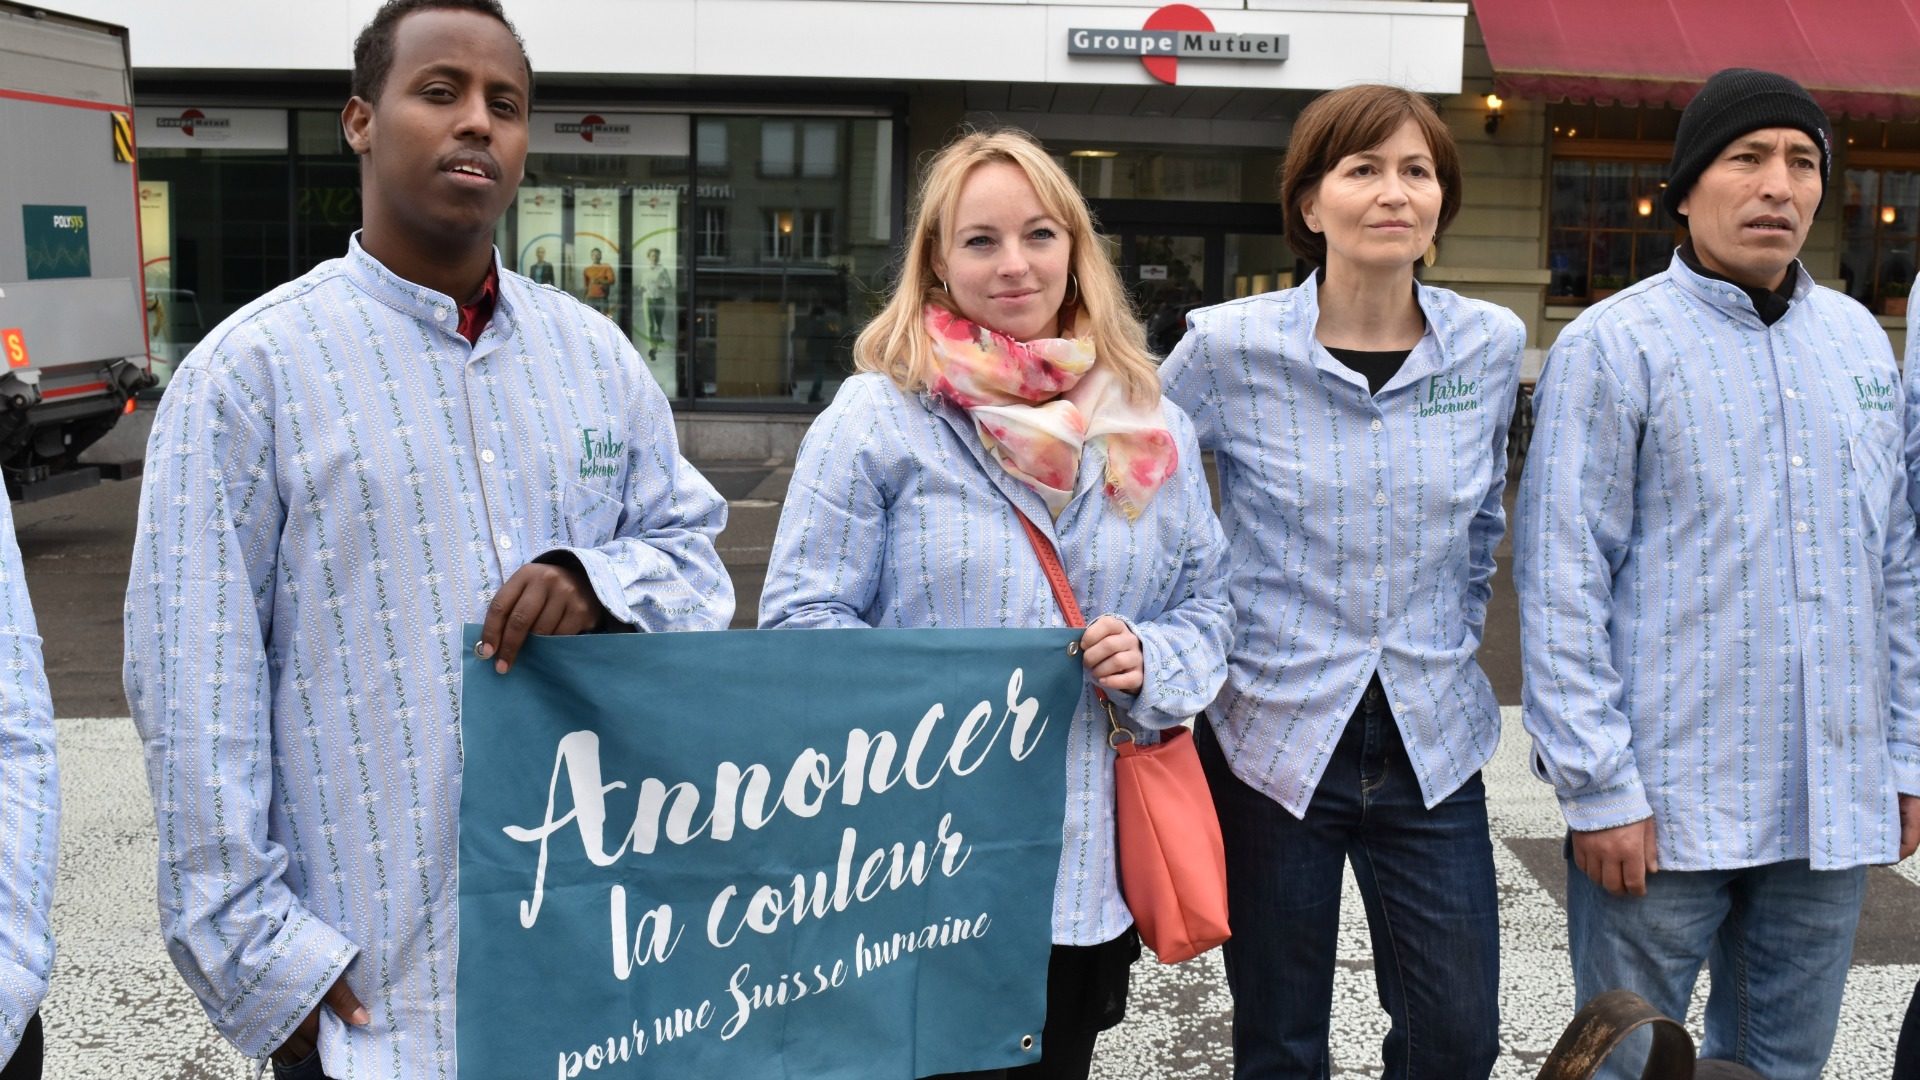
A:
x,y
945,288
1073,282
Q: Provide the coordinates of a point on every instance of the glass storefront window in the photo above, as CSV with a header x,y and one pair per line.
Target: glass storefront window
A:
x,y
214,225
605,223
1878,253
740,270
1188,175
326,188
793,242
215,232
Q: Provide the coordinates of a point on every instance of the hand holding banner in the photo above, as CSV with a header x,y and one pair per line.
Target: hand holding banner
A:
x,y
790,854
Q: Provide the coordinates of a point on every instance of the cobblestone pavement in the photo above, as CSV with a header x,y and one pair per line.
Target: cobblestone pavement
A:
x,y
118,1009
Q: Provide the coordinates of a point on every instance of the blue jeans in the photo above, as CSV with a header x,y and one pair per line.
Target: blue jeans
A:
x,y
1426,877
1778,939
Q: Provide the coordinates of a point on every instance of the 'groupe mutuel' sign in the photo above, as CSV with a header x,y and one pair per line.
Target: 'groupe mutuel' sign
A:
x,y
1174,33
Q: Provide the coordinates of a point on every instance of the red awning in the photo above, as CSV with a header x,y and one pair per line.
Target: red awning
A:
x,y
1860,58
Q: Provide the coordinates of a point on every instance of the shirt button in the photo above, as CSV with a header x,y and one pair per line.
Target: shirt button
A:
x,y
1373,642
486,456
1381,571
1379,498
1798,461
1791,394
1799,526
440,314
505,542
1376,425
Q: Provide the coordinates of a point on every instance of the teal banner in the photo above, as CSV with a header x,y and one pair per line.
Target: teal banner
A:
x,y
56,241
785,854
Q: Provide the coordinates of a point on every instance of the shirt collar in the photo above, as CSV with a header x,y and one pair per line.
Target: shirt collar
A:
x,y
1765,306
1770,304
1429,355
430,306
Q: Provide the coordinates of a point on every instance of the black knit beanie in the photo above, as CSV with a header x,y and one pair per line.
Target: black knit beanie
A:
x,y
1732,103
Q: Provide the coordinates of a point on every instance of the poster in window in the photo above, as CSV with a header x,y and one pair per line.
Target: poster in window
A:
x,y
167,314
541,255
655,294
596,247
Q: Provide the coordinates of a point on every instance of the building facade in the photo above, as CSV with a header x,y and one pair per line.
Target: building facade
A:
x,y
728,179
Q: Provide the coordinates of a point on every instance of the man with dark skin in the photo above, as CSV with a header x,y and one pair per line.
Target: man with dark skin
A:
x,y
399,442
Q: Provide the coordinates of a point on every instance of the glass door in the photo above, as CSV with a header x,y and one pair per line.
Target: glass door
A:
x,y
1178,256
1166,275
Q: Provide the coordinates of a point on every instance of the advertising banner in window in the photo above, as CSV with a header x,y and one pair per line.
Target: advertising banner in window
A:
x,y
172,316
539,229
663,135
655,294
596,247
194,127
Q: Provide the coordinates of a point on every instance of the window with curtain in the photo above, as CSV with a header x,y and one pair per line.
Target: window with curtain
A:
x,y
1877,255
1607,228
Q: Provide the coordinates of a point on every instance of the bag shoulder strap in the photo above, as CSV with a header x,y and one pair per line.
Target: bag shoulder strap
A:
x,y
1070,607
1056,574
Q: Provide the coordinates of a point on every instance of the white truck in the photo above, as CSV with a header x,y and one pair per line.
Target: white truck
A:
x,y
73,328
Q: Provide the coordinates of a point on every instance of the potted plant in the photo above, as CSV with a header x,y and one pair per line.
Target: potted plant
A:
x,y
1893,299
1605,285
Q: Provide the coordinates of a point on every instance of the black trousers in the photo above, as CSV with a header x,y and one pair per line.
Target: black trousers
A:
x,y
308,1069
1906,1059
26,1061
1086,994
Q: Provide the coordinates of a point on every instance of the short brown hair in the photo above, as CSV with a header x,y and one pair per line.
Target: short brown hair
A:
x,y
1350,121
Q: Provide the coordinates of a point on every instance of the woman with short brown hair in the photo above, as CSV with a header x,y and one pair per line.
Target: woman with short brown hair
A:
x,y
1359,423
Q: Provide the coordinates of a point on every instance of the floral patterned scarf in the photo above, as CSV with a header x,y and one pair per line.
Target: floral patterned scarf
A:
x,y
1038,403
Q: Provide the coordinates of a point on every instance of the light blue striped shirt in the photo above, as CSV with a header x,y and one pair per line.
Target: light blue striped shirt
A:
x,y
29,802
337,482
897,517
1362,530
1715,561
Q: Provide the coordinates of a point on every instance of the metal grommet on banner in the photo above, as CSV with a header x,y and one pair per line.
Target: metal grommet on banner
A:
x,y
1026,1042
1073,648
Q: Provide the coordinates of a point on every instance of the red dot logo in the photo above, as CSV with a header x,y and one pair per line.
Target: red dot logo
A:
x,y
588,123
1173,17
189,117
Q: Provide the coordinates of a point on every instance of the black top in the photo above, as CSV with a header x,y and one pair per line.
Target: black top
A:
x,y
1378,368
1770,304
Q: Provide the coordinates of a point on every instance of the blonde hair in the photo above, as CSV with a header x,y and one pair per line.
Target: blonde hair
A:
x,y
895,343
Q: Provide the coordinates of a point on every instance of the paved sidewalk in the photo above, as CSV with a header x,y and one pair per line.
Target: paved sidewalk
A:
x,y
118,1008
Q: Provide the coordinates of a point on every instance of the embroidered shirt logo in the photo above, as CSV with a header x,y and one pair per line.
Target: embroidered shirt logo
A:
x,y
599,454
1874,395
1446,395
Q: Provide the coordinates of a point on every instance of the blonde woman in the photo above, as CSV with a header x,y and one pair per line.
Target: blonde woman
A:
x,y
1006,377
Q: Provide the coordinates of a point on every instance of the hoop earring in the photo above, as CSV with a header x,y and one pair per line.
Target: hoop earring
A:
x,y
1073,282
945,288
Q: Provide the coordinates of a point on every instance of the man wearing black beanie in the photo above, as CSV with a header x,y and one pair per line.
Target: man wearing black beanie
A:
x,y
1716,561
